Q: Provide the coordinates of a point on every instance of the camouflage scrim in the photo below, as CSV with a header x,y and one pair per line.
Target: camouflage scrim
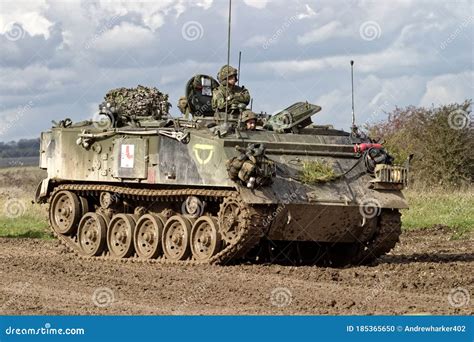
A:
x,y
138,102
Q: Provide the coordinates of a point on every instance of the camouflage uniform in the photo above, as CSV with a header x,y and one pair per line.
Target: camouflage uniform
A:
x,y
236,95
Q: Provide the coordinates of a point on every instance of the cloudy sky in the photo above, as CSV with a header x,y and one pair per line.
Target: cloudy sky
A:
x,y
59,58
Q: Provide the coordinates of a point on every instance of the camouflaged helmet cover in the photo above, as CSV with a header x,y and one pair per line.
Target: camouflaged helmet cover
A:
x,y
248,115
226,71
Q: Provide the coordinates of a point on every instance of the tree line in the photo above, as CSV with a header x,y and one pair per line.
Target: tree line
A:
x,y
440,139
20,148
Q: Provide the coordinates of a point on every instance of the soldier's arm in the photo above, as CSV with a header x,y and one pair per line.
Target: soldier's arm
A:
x,y
243,96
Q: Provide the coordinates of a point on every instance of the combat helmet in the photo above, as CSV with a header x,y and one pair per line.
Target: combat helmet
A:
x,y
248,115
226,71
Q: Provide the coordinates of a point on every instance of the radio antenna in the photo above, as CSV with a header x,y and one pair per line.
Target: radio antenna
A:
x,y
352,83
238,70
228,61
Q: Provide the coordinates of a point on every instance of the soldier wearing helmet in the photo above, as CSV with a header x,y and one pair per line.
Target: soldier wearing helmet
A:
x,y
249,120
184,107
228,90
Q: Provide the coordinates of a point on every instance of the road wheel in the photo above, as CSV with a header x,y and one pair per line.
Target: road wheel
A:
x,y
205,238
120,235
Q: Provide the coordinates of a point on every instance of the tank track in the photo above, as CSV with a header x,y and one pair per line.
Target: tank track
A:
x,y
384,240
251,221
327,254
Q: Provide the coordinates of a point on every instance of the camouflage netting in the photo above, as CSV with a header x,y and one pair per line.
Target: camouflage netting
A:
x,y
139,101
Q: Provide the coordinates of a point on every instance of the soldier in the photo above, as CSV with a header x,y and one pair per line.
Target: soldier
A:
x,y
235,95
250,120
184,107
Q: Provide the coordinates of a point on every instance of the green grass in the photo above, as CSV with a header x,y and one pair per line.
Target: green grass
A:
x,y
24,228
22,219
314,172
429,208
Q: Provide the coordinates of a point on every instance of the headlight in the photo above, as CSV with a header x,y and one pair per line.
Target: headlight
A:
x,y
390,174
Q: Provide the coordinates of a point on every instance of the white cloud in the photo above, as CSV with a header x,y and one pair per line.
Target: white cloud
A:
x,y
325,32
257,3
206,4
308,13
255,41
124,36
22,81
449,88
30,15
392,58
152,13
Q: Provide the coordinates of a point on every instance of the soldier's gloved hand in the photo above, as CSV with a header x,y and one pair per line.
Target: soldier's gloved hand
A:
x,y
230,97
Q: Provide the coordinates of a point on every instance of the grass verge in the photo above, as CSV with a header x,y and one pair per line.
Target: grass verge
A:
x,y
20,218
430,208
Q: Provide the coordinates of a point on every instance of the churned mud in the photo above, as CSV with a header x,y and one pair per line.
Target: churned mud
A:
x,y
427,273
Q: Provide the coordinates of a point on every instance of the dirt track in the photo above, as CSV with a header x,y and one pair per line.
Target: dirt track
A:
x,y
39,277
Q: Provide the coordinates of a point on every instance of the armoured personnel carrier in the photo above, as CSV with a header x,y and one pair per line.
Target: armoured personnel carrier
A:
x,y
145,186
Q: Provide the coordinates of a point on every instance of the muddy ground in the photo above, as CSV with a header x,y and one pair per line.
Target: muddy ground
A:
x,y
427,273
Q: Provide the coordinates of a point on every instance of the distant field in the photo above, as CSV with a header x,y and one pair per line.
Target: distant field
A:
x,y
20,217
19,162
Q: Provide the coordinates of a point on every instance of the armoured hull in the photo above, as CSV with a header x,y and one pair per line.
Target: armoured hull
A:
x,y
157,194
